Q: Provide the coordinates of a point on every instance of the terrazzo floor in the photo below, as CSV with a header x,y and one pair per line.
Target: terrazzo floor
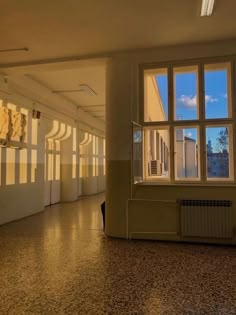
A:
x,y
60,262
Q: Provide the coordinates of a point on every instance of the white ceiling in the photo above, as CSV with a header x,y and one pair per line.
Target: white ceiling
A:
x,y
39,82
65,30
70,79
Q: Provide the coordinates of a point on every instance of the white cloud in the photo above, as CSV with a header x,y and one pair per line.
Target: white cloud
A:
x,y
188,101
211,99
189,134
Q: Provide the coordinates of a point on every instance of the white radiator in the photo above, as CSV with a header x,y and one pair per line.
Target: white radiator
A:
x,y
206,218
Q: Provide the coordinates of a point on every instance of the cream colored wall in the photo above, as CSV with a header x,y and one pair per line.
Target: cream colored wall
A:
x,y
20,200
123,97
92,178
68,184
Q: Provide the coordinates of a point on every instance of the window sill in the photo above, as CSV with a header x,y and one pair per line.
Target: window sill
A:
x,y
210,184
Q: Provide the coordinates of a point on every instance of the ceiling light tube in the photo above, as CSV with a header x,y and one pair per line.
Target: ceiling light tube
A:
x,y
66,91
82,88
207,7
14,49
87,89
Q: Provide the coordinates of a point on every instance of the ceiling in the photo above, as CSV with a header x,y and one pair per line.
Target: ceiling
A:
x,y
58,32
66,28
58,86
69,80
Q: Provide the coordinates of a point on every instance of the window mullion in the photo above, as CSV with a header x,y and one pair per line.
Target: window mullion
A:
x,y
201,91
172,154
170,95
202,130
203,153
171,119
233,108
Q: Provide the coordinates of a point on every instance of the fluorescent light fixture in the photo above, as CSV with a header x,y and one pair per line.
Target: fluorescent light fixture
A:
x,y
207,7
65,91
14,49
87,89
82,88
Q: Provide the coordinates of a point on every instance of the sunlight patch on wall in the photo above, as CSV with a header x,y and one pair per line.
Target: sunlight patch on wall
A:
x,y
11,106
67,133
33,164
10,166
81,167
94,145
74,139
24,111
45,166
50,166
73,166
23,166
34,133
104,166
94,166
61,132
4,122
57,145
54,130
58,161
0,166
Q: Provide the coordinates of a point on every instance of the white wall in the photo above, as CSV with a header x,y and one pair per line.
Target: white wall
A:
x,y
92,178
20,200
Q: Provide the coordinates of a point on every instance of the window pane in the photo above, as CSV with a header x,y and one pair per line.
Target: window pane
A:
x,y
186,93
216,90
156,95
186,153
218,157
157,153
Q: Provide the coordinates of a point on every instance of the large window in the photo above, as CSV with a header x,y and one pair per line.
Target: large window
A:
x,y
188,123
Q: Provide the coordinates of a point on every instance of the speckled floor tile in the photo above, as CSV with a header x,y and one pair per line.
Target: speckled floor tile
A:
x,y
59,262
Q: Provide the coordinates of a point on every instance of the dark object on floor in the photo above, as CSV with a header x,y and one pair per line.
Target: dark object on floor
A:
x,y
103,206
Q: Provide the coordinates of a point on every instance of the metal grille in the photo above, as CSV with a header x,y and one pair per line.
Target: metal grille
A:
x,y
206,218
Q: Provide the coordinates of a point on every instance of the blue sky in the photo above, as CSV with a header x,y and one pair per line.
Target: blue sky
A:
x,y
186,99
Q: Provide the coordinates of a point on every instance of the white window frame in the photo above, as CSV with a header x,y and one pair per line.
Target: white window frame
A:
x,y
201,122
